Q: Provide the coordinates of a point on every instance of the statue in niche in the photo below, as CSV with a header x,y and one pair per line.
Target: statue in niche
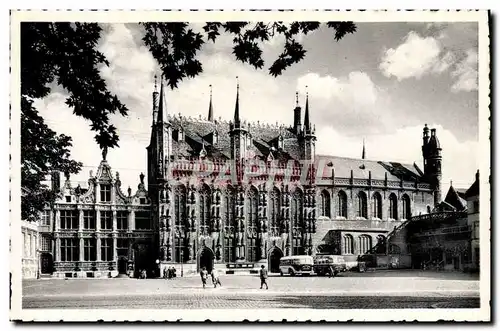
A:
x,y
162,195
141,178
129,191
190,250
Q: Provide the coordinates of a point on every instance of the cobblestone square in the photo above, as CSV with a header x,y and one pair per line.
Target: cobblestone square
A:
x,y
380,289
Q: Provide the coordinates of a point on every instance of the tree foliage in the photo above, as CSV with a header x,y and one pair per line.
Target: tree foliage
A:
x,y
66,54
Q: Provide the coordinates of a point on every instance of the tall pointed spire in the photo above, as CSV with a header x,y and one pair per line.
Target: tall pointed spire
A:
x,y
307,122
162,107
210,107
363,155
296,98
237,106
155,101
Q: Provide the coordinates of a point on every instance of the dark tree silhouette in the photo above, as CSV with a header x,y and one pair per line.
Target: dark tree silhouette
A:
x,y
66,54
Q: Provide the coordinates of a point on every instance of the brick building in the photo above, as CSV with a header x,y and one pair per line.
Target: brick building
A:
x,y
234,195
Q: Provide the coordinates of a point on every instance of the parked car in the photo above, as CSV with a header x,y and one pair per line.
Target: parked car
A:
x,y
325,264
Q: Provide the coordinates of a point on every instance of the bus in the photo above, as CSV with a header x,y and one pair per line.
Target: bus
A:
x,y
296,265
326,264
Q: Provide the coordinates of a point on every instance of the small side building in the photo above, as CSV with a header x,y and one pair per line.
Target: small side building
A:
x,y
472,196
30,251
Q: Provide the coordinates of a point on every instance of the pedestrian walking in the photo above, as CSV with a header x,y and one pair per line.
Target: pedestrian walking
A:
x,y
215,278
263,277
204,276
331,273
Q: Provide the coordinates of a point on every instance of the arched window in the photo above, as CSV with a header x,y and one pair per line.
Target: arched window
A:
x,y
362,205
274,210
406,207
347,244
252,215
393,206
365,244
325,204
297,203
342,204
180,205
229,229
204,209
377,205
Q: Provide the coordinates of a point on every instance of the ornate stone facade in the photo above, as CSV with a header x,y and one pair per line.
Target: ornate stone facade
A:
x,y
234,195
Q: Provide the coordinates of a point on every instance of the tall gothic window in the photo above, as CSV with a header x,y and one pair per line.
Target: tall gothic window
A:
x,y
365,244
342,204
393,206
406,207
68,219
229,210
180,250
252,214
347,244
325,204
229,253
69,249
297,203
89,246
106,249
180,205
106,220
105,193
362,205
274,210
229,230
204,208
377,205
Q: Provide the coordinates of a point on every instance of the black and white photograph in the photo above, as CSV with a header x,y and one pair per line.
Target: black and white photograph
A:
x,y
230,166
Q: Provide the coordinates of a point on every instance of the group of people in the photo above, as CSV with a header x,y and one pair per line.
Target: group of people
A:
x,y
263,273
169,273
214,274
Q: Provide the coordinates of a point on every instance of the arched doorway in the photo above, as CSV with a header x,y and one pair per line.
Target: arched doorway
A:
x,y
122,265
46,263
206,259
274,259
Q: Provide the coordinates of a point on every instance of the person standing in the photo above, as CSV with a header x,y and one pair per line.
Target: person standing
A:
x,y
263,277
215,278
204,276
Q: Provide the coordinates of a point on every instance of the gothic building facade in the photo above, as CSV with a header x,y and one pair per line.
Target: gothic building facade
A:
x,y
234,195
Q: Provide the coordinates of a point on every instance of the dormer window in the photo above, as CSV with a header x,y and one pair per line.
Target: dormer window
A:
x,y
105,193
68,198
216,137
280,142
142,201
180,134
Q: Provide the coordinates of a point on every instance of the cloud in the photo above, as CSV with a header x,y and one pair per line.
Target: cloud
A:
x,y
436,53
415,57
466,73
354,102
404,145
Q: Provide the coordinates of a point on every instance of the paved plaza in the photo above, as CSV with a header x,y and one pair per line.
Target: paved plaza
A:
x,y
379,289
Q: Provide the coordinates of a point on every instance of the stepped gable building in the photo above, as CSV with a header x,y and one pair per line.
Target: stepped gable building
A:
x,y
235,195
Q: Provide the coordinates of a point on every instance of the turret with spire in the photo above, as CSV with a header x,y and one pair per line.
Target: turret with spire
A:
x,y
431,151
308,136
238,133
363,153
155,102
210,107
297,113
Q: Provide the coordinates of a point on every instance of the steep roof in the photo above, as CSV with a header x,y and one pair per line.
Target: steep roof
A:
x,y
454,199
197,133
474,188
361,168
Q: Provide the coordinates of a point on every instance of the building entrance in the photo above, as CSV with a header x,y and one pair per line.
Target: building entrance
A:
x,y
274,259
206,259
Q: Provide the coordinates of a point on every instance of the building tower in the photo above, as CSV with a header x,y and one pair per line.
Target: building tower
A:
x,y
159,152
239,137
431,151
210,107
309,135
297,113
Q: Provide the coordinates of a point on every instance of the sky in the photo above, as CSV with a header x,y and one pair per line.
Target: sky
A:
x,y
381,84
